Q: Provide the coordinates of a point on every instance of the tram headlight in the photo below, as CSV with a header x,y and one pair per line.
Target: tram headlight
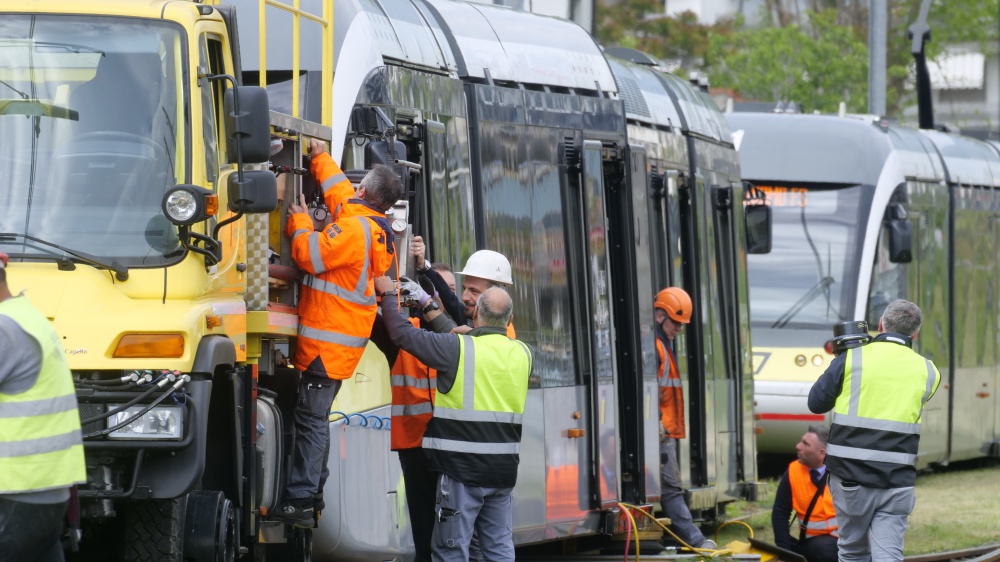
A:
x,y
162,422
817,360
800,360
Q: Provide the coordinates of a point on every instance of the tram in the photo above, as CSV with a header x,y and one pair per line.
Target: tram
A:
x,y
602,180
864,213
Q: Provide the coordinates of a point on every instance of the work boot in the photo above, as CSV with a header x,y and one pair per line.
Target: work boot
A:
x,y
296,512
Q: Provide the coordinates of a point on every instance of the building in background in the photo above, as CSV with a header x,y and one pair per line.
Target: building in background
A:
x,y
966,91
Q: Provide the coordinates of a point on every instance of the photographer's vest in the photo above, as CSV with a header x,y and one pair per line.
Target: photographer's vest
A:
x,y
875,433
822,519
41,447
671,392
413,386
475,433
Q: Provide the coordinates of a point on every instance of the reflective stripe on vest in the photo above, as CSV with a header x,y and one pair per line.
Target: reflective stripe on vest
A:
x,y
420,383
477,355
41,447
883,409
332,181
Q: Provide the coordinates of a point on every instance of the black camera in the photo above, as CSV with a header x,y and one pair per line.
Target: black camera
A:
x,y
849,334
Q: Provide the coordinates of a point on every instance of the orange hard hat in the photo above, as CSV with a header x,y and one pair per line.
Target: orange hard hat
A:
x,y
676,303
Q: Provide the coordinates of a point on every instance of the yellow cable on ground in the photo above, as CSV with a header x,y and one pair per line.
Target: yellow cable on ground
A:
x,y
635,529
723,526
664,527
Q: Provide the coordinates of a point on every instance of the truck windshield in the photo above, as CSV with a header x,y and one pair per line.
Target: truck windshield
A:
x,y
93,133
809,278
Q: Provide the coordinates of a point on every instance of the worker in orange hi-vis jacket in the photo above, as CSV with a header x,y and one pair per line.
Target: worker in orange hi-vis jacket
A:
x,y
672,312
336,310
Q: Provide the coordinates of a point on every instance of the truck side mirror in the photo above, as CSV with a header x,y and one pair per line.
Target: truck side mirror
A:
x,y
758,225
256,193
251,129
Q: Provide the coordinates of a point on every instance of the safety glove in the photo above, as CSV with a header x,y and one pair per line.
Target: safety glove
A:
x,y
412,294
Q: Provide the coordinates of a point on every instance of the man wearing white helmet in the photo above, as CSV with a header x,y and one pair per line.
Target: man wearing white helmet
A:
x,y
483,270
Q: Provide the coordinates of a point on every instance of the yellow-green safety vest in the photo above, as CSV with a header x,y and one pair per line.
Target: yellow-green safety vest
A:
x,y
876,417
40,443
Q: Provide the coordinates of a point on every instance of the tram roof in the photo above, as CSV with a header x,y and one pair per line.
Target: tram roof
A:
x,y
521,47
645,95
969,161
809,148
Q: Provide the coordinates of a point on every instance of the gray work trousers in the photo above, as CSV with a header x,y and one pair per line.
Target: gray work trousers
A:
x,y
672,496
311,451
872,521
462,509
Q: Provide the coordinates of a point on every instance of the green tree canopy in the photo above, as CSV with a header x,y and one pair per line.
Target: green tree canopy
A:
x,y
817,57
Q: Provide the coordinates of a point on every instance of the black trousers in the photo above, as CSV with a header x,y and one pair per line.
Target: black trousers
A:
x,y
821,548
420,496
312,437
31,532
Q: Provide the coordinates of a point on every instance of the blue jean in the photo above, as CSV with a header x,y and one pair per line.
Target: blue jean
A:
x,y
672,496
462,510
312,437
872,521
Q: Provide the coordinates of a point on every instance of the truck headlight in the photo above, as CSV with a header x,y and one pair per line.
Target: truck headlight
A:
x,y
162,422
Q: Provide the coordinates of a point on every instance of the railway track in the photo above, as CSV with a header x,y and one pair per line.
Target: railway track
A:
x,y
990,553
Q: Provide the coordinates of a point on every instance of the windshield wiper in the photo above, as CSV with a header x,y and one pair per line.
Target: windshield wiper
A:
x,y
120,271
816,290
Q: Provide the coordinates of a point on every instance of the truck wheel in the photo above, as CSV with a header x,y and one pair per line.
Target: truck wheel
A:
x,y
209,528
297,549
154,530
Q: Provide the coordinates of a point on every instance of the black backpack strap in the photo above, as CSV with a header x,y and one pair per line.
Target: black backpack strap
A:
x,y
805,520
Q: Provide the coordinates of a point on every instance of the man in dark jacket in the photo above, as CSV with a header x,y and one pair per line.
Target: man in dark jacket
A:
x,y
877,393
473,439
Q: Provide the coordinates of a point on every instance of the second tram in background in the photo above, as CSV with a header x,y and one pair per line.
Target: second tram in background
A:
x,y
865,213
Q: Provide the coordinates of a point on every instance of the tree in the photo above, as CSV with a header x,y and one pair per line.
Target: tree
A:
x,y
817,67
813,52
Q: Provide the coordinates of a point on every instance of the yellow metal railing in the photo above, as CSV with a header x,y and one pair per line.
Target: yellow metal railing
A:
x,y
326,23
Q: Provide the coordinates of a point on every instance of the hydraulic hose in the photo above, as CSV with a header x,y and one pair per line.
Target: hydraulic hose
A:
x,y
128,404
180,382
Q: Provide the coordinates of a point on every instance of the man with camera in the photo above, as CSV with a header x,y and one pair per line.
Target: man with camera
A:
x,y
877,393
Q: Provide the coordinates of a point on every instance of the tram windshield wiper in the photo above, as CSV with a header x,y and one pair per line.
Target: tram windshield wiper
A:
x,y
120,271
821,287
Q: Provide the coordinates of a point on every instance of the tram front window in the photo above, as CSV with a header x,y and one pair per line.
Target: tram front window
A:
x,y
807,281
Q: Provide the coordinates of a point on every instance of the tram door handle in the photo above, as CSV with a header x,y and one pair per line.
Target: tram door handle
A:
x,y
574,433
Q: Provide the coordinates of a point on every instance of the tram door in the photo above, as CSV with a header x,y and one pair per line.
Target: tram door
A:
x,y
602,336
725,202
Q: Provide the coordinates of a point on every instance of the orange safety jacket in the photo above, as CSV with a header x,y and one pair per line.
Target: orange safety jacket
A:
x,y
337,189
413,388
337,302
823,519
671,393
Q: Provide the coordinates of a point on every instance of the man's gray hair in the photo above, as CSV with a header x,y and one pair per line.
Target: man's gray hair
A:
x,y
902,317
488,316
822,433
382,187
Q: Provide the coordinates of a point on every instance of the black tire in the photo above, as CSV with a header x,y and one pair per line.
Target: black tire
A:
x,y
153,531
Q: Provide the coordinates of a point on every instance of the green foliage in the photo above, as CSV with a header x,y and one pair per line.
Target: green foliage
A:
x,y
817,69
816,58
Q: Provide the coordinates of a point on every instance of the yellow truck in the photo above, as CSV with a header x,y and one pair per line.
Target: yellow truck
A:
x,y
142,217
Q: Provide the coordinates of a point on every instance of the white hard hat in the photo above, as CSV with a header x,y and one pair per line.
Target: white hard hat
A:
x,y
489,265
